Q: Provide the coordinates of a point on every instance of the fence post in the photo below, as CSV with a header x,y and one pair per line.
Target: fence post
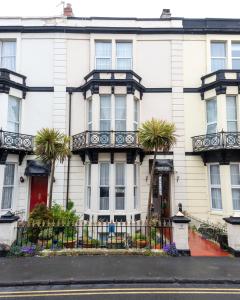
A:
x,y
180,233
8,228
233,233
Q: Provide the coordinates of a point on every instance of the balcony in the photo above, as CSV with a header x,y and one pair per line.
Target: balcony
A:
x,y
219,80
10,79
94,142
220,147
15,143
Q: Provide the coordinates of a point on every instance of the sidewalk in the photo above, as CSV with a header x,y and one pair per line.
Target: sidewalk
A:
x,y
118,269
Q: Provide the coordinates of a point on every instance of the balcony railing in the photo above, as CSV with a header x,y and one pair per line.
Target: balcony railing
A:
x,y
16,141
215,141
105,139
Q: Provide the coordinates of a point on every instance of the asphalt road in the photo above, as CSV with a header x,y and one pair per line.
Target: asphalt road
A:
x,y
110,292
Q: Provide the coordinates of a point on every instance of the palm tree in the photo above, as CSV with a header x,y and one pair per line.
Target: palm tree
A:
x,y
156,135
51,146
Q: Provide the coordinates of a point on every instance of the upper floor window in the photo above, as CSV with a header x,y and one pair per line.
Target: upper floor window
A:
x,y
8,186
89,104
231,113
215,186
235,182
236,55
13,121
123,55
120,113
211,116
105,112
218,56
103,53
136,114
8,55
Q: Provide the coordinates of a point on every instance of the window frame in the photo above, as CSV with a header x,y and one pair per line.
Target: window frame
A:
x,y
88,185
13,186
136,122
234,57
119,185
136,193
218,57
115,112
103,57
236,112
125,58
18,123
108,186
2,41
212,186
234,186
111,108
211,123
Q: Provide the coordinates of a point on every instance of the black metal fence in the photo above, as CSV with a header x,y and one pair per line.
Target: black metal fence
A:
x,y
119,235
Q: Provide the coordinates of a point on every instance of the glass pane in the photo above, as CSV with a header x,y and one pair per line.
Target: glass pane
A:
x,y
231,108
124,64
13,113
104,198
236,199
214,175
120,196
218,49
9,174
235,176
105,113
124,50
89,197
104,174
211,128
120,174
218,63
232,126
235,50
211,111
216,198
89,111
236,63
7,196
103,63
136,111
9,55
135,192
120,107
104,49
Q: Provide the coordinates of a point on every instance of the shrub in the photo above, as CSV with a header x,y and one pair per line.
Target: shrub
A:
x,y
40,214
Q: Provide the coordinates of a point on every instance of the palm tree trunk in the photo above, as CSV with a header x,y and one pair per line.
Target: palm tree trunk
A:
x,y
149,213
51,184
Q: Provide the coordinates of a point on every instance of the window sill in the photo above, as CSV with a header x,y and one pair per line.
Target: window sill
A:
x,y
216,212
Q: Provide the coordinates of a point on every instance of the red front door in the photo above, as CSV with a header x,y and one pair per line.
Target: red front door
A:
x,y
39,187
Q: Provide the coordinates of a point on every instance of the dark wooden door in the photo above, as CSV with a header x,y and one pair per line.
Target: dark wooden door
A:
x,y
161,195
39,189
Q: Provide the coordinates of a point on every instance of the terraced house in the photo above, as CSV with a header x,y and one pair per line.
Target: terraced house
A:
x,y
97,80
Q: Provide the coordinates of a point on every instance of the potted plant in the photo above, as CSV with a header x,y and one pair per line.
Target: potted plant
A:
x,y
140,240
45,236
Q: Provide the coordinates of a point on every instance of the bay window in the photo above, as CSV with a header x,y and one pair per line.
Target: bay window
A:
x,y
215,187
120,186
236,55
105,112
8,55
235,183
120,113
123,55
104,186
231,113
13,121
8,186
218,56
103,53
211,116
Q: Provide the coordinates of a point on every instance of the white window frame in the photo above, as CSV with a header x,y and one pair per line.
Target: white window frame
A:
x,y
115,112
136,193
109,187
211,123
236,112
216,186
11,56
103,57
11,186
234,186
119,185
218,57
89,122
126,58
18,123
88,192
111,113
234,57
136,104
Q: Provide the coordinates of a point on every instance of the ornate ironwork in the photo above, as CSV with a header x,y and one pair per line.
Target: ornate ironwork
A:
x,y
214,141
105,139
16,141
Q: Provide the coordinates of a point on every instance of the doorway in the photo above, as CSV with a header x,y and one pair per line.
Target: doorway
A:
x,y
39,190
161,195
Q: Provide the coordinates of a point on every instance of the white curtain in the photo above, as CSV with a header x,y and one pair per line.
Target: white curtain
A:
x,y
105,113
215,187
13,114
90,115
218,53
235,181
211,116
235,176
231,114
103,55
8,186
216,198
120,188
120,113
8,55
124,56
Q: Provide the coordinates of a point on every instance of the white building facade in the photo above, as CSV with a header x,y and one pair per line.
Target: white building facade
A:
x,y
97,80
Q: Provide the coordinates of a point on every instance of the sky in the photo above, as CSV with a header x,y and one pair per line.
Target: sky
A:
x,y
124,8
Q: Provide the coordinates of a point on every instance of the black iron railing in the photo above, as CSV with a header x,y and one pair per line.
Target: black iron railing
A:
x,y
105,139
118,235
16,141
214,141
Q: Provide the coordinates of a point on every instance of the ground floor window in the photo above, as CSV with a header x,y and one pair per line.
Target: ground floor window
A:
x,y
235,184
104,185
215,186
135,185
120,186
88,186
8,186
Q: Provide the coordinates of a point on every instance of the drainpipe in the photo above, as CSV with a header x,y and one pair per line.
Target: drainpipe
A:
x,y
69,134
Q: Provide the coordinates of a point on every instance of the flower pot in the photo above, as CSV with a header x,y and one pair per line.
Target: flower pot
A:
x,y
140,243
69,244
